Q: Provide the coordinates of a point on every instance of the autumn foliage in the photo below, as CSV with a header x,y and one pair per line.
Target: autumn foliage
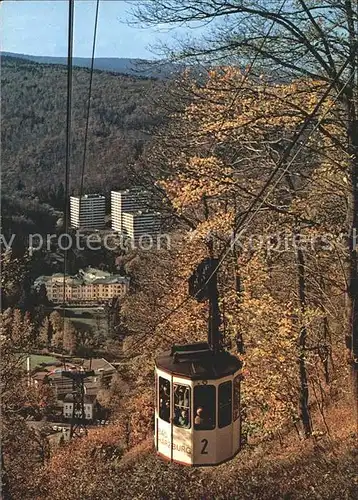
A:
x,y
282,289
289,258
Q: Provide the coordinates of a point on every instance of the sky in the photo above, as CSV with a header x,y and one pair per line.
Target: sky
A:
x,y
39,27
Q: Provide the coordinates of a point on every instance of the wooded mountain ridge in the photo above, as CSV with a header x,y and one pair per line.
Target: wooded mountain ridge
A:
x,y
124,65
124,112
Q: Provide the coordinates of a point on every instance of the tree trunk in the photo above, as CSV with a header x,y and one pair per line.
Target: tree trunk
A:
x,y
325,355
353,256
304,392
4,487
353,284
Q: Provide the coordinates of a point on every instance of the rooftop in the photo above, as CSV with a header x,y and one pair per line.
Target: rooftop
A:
x,y
92,275
134,190
114,278
89,196
87,276
99,365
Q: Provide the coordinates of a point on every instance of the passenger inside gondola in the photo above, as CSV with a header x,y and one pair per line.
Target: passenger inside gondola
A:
x,y
205,407
164,410
183,420
164,399
182,406
199,420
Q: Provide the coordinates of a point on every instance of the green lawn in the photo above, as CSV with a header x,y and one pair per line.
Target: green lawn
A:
x,y
37,359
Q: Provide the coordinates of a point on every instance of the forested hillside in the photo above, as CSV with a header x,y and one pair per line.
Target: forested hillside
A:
x,y
124,111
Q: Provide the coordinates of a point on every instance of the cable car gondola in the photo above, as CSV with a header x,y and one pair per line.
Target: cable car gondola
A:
x,y
197,406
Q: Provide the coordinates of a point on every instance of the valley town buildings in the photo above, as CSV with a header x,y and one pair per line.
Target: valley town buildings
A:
x,y
91,286
130,214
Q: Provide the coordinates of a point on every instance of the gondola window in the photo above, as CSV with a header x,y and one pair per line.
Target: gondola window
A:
x,y
225,404
182,406
164,399
204,407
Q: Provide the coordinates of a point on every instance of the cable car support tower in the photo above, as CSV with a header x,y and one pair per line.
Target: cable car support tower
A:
x,y
78,418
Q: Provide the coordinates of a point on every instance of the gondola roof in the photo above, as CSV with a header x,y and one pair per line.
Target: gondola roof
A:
x,y
198,362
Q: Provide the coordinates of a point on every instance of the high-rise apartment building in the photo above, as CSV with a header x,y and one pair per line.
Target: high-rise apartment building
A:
x,y
140,226
89,212
129,200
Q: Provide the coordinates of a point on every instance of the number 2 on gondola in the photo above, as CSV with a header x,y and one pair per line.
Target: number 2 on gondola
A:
x,y
205,445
